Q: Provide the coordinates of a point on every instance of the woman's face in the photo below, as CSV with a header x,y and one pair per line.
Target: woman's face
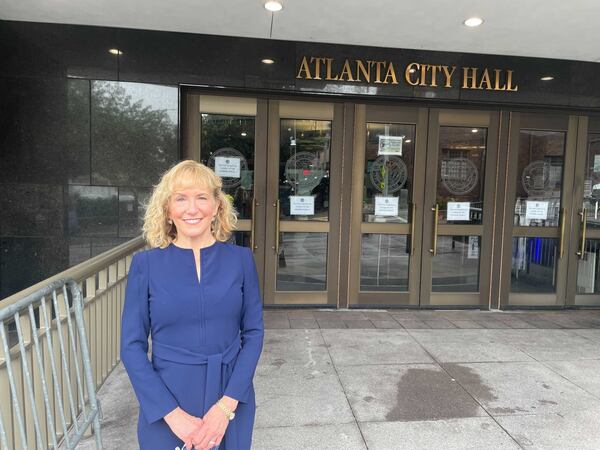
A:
x,y
192,211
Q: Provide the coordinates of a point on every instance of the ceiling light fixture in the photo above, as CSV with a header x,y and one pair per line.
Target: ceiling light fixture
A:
x,y
473,22
273,6
474,130
267,61
115,51
547,78
408,141
243,133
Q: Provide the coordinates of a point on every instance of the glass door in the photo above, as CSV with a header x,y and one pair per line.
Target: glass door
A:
x,y
538,207
387,196
459,208
584,272
302,209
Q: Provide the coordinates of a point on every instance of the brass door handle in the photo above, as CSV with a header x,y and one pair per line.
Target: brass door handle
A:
x,y
276,247
583,215
561,220
252,224
435,210
412,229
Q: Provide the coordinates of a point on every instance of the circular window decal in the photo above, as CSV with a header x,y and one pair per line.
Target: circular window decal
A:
x,y
459,175
388,174
305,171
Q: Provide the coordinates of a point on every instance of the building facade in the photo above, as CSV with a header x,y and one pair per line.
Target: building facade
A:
x,y
363,177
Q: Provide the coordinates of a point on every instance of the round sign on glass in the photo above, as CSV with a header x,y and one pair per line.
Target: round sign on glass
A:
x,y
305,171
459,175
536,179
229,164
388,174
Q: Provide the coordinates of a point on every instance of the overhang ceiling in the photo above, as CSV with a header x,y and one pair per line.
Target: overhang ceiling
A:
x,y
540,28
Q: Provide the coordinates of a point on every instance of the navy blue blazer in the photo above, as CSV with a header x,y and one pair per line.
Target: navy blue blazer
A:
x,y
207,337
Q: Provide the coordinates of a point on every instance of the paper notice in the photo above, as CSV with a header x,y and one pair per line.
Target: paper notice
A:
x,y
386,206
226,166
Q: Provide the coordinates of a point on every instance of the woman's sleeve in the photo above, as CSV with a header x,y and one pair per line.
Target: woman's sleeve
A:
x,y
252,332
156,401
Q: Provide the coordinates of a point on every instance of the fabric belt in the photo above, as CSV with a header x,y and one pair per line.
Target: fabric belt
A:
x,y
215,375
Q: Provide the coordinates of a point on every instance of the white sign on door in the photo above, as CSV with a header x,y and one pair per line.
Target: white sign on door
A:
x,y
390,145
302,205
459,210
226,166
386,206
536,210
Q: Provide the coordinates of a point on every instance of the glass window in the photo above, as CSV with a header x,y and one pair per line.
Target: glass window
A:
x,y
384,262
455,268
227,145
389,167
461,167
539,178
302,262
534,265
304,169
591,184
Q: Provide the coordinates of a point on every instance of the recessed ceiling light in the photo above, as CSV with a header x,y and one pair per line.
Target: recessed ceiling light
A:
x,y
273,6
267,61
243,133
547,78
115,51
474,130
473,21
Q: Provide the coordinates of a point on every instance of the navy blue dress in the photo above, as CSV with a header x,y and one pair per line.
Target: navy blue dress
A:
x,y
206,338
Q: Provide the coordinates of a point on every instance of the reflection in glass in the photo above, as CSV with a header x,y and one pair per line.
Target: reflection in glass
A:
x,y
534,265
132,203
384,262
461,168
539,178
304,169
591,185
389,165
93,211
227,146
241,238
588,269
134,125
302,262
455,268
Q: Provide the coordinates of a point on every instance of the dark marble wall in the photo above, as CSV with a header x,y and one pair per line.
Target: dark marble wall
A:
x,y
84,134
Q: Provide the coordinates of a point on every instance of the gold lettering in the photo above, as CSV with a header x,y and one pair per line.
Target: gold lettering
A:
x,y
448,75
472,77
391,73
424,69
497,77
304,67
378,66
328,77
347,71
509,86
317,67
411,69
434,71
366,70
485,78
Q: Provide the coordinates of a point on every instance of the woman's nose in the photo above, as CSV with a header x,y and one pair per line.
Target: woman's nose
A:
x,y
193,206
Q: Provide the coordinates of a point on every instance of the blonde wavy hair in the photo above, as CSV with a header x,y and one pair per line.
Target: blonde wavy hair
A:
x,y
158,232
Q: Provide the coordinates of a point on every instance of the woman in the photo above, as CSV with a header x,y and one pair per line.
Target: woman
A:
x,y
199,299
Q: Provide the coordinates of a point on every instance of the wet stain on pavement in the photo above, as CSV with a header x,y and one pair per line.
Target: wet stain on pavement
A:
x,y
425,394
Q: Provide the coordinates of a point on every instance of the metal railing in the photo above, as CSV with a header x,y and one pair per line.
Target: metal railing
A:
x,y
44,401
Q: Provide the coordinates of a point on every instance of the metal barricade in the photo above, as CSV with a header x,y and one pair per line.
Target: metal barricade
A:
x,y
45,366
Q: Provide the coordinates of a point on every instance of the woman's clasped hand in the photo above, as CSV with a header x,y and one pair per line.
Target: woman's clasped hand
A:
x,y
197,433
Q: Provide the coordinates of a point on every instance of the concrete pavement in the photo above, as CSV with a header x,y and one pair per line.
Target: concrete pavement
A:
x,y
363,379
